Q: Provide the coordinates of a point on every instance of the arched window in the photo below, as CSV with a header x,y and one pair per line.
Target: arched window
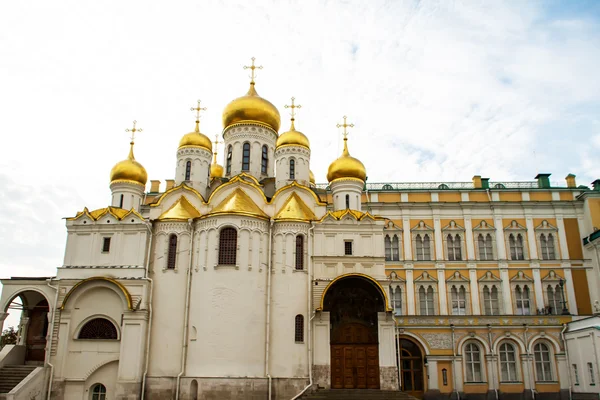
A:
x,y
484,243
490,300
121,201
508,363
423,247
454,249
516,247
299,252
388,248
543,367
98,392
229,156
555,299
188,170
98,329
246,157
426,305
522,298
347,201
547,244
395,248
264,160
473,363
396,296
172,255
227,246
459,300
299,328
292,168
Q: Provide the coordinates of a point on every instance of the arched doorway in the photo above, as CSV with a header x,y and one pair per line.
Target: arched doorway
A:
x,y
33,323
411,368
353,303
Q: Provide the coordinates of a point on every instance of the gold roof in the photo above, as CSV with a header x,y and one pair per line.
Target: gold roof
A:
x,y
346,167
251,108
293,137
358,215
129,170
311,177
118,213
181,210
216,170
238,202
294,209
196,139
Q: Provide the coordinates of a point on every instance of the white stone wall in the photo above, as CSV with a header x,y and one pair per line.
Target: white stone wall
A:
x,y
340,188
200,168
132,195
257,136
301,157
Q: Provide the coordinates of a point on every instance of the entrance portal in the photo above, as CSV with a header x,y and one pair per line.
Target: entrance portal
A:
x,y
353,303
35,344
411,360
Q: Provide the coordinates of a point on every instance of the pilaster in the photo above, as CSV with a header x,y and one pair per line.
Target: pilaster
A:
x,y
410,290
531,242
506,295
537,284
442,292
407,239
500,244
570,288
469,239
474,289
562,238
437,232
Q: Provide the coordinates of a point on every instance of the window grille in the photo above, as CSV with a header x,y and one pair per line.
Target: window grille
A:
x,y
246,157
490,300
265,159
229,157
292,169
172,256
508,363
228,246
473,363
188,170
106,245
98,329
299,252
523,301
575,374
591,373
299,328
543,366
348,248
99,392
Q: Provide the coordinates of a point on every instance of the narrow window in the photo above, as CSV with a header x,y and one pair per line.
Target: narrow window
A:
x,y
490,300
508,363
550,245
265,159
99,392
246,157
121,200
229,156
395,248
555,299
547,245
543,367
450,245
228,246
172,256
575,374
388,248
419,246
489,255
292,169
348,248
473,362
523,302
454,249
188,170
396,296
519,247
445,377
347,201
459,300
299,252
426,305
457,248
426,248
299,329
98,329
513,246
106,245
591,373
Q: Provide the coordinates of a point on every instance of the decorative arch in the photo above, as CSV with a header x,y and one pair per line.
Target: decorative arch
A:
x,y
418,340
95,316
240,179
357,275
297,186
481,341
20,291
545,338
512,338
100,365
184,187
122,288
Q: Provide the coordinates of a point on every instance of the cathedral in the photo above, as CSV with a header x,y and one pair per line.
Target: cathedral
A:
x,y
248,280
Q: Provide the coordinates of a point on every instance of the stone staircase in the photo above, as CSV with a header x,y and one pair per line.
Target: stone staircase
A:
x,y
12,375
363,394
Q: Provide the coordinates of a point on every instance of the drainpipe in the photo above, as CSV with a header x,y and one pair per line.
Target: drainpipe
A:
x,y
529,365
493,361
147,276
268,333
454,363
309,310
50,337
562,336
397,331
184,344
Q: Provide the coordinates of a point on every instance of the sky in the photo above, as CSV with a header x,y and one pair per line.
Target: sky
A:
x,y
437,91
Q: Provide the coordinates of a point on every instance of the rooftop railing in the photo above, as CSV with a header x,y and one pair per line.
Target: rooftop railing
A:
x,y
392,186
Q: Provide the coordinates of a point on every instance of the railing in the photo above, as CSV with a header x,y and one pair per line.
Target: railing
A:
x,y
445,185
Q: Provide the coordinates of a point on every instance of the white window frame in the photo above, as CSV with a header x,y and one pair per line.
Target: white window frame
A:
x,y
390,231
468,364
398,286
546,229
516,229
545,371
484,229
422,229
522,280
457,281
516,361
591,374
489,280
456,232
575,374
426,281
553,280
489,288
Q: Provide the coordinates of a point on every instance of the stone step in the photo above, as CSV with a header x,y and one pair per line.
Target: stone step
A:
x,y
12,375
362,394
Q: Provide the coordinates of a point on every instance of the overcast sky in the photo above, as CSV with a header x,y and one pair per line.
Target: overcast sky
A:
x,y
437,90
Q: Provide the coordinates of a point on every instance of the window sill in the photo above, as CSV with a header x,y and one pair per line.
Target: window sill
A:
x,y
226,266
299,270
475,383
546,382
299,342
511,383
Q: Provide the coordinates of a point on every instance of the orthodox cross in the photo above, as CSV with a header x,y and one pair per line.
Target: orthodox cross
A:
x,y
293,107
133,130
345,125
216,143
198,109
252,67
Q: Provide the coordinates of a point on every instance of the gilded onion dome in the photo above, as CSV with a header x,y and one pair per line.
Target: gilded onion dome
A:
x,y
293,137
216,170
129,170
346,166
251,108
196,139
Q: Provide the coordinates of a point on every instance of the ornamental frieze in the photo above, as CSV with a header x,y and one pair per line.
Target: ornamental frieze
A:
x,y
292,149
207,223
247,223
286,227
438,340
170,227
194,151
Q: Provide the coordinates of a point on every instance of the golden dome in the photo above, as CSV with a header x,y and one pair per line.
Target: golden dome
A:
x,y
293,137
251,108
129,170
346,167
216,170
311,177
196,139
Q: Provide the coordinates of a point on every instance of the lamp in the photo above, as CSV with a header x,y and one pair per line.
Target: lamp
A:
x,y
565,310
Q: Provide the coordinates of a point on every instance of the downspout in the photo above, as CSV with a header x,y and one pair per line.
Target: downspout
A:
x,y
268,333
398,365
50,337
184,344
454,363
562,336
148,334
529,365
494,371
309,311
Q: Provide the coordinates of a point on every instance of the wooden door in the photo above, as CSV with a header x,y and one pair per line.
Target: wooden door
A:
x,y
35,349
355,367
411,369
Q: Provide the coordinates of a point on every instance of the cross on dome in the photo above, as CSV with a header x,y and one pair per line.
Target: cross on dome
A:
x,y
345,125
252,68
198,109
293,107
133,131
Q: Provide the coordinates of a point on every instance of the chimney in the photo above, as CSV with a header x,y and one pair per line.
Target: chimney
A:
x,y
571,181
170,184
477,181
596,185
543,181
485,183
154,186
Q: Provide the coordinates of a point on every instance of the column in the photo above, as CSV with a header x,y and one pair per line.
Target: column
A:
x,y
537,285
500,244
469,239
407,242
562,238
476,308
410,290
443,296
532,242
458,373
525,370
506,295
439,243
387,352
569,288
492,371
